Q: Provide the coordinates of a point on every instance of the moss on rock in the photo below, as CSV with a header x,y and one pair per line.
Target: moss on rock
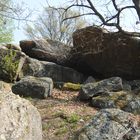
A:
x,y
72,86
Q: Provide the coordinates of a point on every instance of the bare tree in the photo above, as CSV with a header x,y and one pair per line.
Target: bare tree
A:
x,y
49,25
15,11
10,11
6,24
107,13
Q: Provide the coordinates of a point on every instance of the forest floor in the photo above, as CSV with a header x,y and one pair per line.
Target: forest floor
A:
x,y
62,114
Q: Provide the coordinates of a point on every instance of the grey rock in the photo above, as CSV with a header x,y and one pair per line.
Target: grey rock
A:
x,y
127,86
90,79
110,124
19,119
104,101
58,73
112,100
59,85
135,84
123,100
34,87
94,89
133,105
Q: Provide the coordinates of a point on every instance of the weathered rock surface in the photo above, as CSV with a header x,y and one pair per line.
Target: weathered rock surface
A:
x,y
58,73
47,50
122,100
102,87
106,54
34,87
11,62
133,105
19,119
110,124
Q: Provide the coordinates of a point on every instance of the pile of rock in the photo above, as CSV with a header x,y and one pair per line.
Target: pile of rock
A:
x,y
112,93
39,65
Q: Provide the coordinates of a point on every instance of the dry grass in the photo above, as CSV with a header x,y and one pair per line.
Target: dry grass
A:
x,y
63,114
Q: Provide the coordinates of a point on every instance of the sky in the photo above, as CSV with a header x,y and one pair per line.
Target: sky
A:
x,y
37,7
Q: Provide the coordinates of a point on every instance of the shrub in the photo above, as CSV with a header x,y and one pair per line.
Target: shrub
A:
x,y
9,64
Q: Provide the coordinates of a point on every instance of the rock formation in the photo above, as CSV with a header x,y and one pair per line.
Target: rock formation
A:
x,y
105,54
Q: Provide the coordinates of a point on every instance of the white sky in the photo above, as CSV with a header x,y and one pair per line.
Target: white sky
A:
x,y
38,4
33,5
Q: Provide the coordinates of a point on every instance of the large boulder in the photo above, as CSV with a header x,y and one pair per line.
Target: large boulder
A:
x,y
47,50
19,119
110,124
11,62
102,87
33,67
34,87
104,53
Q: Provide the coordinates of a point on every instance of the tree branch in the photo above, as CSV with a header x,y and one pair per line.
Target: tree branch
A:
x,y
115,5
77,16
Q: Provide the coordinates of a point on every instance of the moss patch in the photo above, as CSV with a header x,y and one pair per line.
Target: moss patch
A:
x,y
72,86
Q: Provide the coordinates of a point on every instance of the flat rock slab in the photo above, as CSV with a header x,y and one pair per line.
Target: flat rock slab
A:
x,y
102,87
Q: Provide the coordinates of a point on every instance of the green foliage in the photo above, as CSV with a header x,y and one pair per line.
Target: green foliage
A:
x,y
74,118
9,64
67,86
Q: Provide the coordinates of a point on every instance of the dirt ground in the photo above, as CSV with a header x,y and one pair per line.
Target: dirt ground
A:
x,y
62,114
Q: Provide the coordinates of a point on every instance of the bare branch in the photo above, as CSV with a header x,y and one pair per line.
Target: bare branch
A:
x,y
115,5
77,16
